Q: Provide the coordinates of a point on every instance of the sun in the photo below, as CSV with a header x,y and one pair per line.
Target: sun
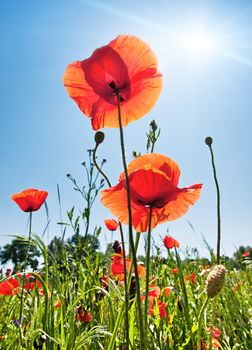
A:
x,y
198,42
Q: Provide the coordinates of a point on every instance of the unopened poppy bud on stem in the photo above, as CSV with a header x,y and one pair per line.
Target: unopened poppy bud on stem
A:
x,y
208,141
215,280
99,137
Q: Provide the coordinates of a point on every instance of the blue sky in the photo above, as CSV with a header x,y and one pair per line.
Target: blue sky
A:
x,y
204,49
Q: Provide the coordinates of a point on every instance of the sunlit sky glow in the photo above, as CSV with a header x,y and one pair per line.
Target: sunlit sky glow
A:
x,y
204,49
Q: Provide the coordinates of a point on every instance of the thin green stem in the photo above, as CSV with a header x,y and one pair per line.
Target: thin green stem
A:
x,y
184,293
125,288
24,276
200,323
124,251
131,240
97,166
147,272
218,206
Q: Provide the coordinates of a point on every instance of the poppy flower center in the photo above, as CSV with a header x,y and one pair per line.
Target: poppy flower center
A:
x,y
116,90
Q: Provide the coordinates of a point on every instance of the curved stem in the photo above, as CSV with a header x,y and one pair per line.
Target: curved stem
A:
x,y
97,166
147,272
131,240
218,206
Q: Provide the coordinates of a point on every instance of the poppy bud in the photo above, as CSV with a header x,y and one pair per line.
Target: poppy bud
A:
x,y
117,247
215,280
208,141
99,137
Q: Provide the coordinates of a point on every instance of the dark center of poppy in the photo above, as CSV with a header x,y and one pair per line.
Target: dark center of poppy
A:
x,y
156,203
116,90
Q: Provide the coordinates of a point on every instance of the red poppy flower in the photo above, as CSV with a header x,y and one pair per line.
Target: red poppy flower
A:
x,y
216,332
83,315
246,254
170,242
193,277
161,307
8,287
126,67
175,271
30,199
117,267
153,182
31,282
111,224
166,291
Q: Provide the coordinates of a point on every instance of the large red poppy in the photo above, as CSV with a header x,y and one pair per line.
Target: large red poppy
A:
x,y
126,67
30,199
153,182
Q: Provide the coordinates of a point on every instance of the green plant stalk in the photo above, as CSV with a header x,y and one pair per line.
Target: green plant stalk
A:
x,y
218,206
24,277
185,298
124,257
131,240
131,264
117,325
147,273
126,300
200,323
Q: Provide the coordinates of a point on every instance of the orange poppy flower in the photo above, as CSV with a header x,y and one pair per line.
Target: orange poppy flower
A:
x,y
153,182
170,242
111,224
30,199
126,67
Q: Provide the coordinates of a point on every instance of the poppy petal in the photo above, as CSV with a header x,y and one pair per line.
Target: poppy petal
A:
x,y
155,161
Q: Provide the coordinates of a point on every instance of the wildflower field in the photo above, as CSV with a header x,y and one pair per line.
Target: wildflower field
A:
x,y
77,297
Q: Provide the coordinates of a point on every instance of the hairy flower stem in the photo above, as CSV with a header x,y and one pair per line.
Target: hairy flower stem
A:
x,y
24,277
209,144
147,273
200,323
124,257
131,240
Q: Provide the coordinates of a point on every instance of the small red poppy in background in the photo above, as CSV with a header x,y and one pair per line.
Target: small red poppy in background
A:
x,y
161,307
246,254
111,224
8,287
153,180
31,282
166,291
83,315
126,68
30,200
170,242
175,271
117,266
